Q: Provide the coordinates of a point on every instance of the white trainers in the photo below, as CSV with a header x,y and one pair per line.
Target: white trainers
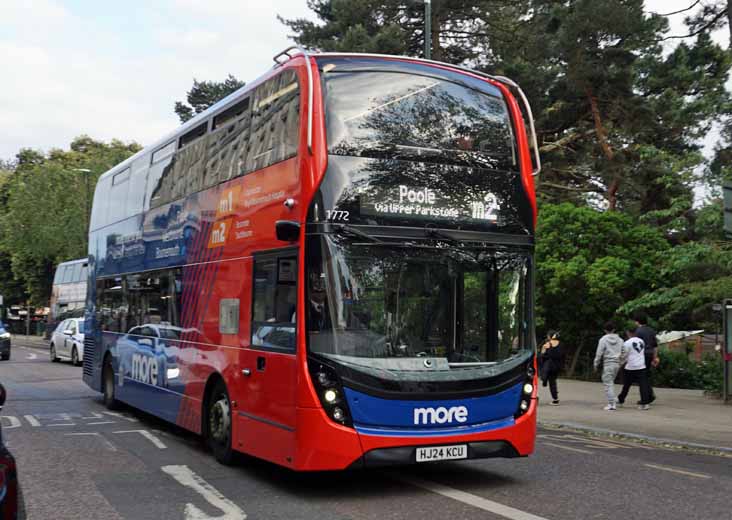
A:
x,y
609,407
644,407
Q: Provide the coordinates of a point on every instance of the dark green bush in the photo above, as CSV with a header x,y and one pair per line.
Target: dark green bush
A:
x,y
710,373
676,370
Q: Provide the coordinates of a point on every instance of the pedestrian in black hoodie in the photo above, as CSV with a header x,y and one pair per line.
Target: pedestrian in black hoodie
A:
x,y
551,363
648,335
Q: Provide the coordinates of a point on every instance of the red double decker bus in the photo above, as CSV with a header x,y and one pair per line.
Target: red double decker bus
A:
x,y
330,268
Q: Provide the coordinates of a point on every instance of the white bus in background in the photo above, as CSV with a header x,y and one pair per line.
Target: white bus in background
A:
x,y
68,294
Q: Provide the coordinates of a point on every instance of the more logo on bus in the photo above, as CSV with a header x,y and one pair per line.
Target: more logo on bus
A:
x,y
144,369
440,415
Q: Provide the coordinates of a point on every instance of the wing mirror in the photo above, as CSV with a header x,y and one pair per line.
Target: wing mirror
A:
x,y
287,230
69,332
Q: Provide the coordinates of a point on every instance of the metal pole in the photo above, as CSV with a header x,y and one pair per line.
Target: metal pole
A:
x,y
428,29
87,208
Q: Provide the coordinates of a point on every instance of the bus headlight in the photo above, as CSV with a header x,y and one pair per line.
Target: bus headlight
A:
x,y
338,414
330,392
527,390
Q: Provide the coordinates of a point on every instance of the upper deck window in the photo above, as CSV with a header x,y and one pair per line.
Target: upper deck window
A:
x,y
415,117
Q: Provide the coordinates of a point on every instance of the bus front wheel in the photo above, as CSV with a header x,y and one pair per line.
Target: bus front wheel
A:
x,y
108,387
218,424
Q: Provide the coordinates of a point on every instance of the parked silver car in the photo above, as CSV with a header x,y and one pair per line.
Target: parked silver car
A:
x,y
67,341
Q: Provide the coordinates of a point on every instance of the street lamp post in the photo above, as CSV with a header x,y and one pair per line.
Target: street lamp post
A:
x,y
427,29
86,197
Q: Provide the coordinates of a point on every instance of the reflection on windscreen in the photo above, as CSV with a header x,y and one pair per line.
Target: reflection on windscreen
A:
x,y
416,117
391,301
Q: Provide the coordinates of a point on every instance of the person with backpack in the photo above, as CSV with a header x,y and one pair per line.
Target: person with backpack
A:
x,y
550,359
635,371
610,352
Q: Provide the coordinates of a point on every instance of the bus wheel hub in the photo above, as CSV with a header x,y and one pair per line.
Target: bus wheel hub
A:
x,y
219,420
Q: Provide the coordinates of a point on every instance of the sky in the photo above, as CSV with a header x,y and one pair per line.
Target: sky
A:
x,y
115,69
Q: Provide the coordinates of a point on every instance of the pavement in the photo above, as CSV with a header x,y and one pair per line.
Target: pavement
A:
x,y
681,417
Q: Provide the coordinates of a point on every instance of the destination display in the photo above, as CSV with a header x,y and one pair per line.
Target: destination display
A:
x,y
368,191
431,204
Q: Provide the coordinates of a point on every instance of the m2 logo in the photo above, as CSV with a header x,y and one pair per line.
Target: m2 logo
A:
x,y
219,233
144,369
440,415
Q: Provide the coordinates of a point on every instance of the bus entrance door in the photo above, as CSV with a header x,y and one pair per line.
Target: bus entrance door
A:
x,y
267,416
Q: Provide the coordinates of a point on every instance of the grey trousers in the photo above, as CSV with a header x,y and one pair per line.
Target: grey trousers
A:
x,y
609,372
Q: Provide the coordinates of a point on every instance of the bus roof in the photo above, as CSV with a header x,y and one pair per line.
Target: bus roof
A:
x,y
70,262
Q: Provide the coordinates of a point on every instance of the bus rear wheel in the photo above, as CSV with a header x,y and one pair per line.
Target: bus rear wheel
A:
x,y
108,387
218,424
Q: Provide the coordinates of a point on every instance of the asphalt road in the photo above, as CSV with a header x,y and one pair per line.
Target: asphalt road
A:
x,y
76,460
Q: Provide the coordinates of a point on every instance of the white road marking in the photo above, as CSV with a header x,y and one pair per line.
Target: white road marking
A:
x,y
675,470
100,422
31,356
188,478
149,436
8,422
63,424
106,442
578,450
471,500
32,420
94,415
121,416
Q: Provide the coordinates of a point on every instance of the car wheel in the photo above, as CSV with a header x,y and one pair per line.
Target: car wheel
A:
x,y
218,424
75,357
6,356
108,387
54,357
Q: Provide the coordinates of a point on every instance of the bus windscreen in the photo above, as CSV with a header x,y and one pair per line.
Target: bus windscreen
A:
x,y
414,117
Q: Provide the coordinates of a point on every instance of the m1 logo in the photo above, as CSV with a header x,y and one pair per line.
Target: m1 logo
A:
x,y
440,415
219,233
227,201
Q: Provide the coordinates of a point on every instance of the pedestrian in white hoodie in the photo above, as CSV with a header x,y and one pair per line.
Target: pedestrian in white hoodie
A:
x,y
609,354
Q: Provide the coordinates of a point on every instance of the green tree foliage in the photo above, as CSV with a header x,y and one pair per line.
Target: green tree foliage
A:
x,y
695,276
43,205
588,264
203,94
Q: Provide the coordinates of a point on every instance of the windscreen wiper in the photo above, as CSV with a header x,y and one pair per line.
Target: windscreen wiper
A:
x,y
436,233
347,229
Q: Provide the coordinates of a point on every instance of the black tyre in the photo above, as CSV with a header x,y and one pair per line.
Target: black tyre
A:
x,y
75,357
54,357
108,387
218,424
6,356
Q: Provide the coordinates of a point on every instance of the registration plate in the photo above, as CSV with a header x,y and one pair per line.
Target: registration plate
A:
x,y
431,453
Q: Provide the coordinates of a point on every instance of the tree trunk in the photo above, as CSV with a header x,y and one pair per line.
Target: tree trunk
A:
x,y
435,22
576,355
612,189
